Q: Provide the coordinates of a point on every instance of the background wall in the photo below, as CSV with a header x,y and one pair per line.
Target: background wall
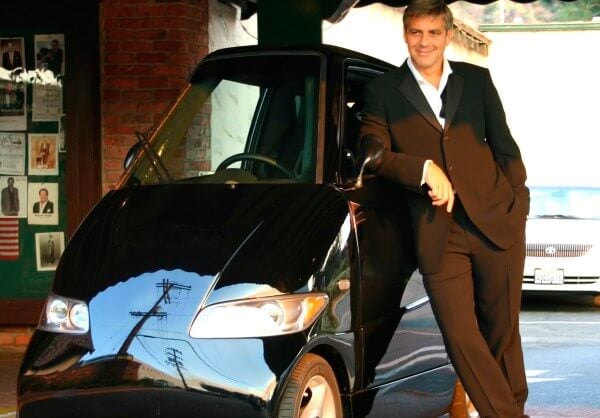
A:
x,y
550,86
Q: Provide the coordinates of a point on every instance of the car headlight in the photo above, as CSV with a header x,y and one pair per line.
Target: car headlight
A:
x,y
260,317
65,315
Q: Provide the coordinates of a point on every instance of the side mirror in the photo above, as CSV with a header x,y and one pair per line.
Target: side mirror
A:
x,y
371,149
131,154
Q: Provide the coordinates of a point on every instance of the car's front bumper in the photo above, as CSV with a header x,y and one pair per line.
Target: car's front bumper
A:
x,y
132,402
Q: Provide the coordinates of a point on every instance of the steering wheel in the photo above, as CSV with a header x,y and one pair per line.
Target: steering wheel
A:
x,y
254,157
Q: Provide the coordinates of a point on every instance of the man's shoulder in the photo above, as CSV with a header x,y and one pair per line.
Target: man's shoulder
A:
x,y
388,78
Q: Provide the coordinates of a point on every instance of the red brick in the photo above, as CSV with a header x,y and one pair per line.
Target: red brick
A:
x,y
7,338
169,46
167,69
151,10
119,130
153,34
151,107
22,339
120,58
137,96
170,22
112,69
153,82
136,46
113,140
113,176
113,11
152,57
113,164
179,10
137,69
167,95
111,23
135,23
121,83
120,107
111,95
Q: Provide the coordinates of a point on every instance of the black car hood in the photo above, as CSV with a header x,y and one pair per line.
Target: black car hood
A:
x,y
273,234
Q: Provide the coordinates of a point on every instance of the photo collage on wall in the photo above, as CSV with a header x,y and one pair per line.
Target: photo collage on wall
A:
x,y
30,155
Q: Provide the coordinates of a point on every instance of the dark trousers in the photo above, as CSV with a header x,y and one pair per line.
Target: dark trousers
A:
x,y
476,299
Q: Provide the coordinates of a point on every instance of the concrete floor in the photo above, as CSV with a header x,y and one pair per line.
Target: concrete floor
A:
x,y
10,360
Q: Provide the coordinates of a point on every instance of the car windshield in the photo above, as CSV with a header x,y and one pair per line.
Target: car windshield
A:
x,y
565,202
242,119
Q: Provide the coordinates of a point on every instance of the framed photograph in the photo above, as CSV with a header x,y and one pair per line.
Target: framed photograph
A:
x,y
43,203
49,247
43,154
13,196
12,153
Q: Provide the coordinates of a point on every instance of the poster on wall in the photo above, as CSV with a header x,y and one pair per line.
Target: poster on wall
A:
x,y
13,116
13,196
48,249
42,204
47,98
12,153
43,154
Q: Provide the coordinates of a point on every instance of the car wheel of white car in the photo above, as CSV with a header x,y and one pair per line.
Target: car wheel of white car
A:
x,y
312,391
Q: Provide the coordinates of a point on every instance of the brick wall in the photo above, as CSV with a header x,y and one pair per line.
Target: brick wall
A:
x,y
149,49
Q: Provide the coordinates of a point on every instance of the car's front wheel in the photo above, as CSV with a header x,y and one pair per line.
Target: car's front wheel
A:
x,y
312,391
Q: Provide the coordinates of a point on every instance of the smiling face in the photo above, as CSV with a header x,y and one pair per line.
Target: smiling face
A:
x,y
426,37
43,195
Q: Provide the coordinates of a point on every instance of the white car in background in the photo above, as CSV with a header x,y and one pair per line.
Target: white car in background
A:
x,y
563,240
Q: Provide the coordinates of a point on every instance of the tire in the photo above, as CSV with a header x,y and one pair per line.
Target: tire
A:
x,y
312,391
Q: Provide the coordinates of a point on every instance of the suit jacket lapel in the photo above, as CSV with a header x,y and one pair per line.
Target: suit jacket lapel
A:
x,y
410,89
454,89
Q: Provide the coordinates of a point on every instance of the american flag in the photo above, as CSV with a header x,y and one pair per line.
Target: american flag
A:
x,y
9,238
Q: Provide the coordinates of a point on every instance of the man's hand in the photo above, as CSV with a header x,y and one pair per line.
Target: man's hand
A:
x,y
440,191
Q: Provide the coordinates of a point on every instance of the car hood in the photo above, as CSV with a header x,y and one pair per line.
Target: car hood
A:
x,y
271,237
563,231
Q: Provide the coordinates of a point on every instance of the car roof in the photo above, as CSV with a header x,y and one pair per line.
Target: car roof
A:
x,y
327,50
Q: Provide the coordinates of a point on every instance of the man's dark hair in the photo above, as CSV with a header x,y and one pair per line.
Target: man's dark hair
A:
x,y
428,8
44,189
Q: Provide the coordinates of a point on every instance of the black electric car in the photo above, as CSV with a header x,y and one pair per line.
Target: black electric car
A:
x,y
243,268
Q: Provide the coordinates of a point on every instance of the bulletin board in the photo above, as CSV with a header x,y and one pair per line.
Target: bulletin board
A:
x,y
33,161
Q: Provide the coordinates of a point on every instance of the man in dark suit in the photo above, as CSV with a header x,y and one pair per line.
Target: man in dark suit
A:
x,y
10,198
44,205
11,59
447,142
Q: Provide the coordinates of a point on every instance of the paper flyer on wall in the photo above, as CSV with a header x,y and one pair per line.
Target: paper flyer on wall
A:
x,y
12,153
47,99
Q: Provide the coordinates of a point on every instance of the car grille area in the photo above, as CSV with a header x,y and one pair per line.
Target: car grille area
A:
x,y
557,250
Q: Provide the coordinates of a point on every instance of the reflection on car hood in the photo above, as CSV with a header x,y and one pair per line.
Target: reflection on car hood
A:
x,y
563,231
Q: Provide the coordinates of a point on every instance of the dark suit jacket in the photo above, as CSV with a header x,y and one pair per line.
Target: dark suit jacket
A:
x,y
475,148
16,63
49,208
